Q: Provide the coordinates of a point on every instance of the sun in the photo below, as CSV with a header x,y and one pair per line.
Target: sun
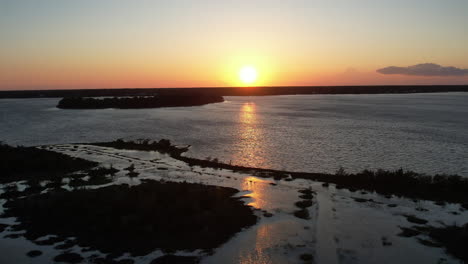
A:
x,y
248,74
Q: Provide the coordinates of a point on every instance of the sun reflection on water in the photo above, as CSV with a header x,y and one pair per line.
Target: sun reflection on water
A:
x,y
250,137
263,243
268,234
257,187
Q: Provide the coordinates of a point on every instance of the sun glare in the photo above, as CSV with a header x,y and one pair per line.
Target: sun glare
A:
x,y
248,74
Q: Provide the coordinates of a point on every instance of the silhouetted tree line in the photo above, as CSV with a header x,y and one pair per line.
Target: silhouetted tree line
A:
x,y
136,102
235,91
448,188
22,163
440,187
295,90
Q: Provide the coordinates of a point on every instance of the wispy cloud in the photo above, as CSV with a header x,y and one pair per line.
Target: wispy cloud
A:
x,y
425,69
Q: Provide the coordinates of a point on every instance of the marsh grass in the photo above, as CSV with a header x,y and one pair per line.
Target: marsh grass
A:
x,y
30,163
139,219
440,188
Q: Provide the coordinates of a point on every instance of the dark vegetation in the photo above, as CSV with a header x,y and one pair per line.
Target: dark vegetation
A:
x,y
303,214
408,232
97,176
415,220
439,188
171,259
235,91
69,258
34,165
453,238
131,171
101,171
162,146
307,195
109,259
307,258
3,227
26,163
304,204
139,219
446,188
137,102
386,242
34,253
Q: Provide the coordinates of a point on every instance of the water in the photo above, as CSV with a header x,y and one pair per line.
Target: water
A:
x,y
316,133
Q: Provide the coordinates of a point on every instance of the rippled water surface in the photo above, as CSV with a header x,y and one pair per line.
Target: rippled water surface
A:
x,y
319,133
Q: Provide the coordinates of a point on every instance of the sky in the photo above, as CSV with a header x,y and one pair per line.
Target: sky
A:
x,y
62,44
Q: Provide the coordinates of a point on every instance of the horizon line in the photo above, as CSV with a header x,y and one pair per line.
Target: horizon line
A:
x,y
240,87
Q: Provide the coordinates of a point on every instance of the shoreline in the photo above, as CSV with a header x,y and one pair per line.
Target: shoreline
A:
x,y
439,188
87,209
293,210
235,91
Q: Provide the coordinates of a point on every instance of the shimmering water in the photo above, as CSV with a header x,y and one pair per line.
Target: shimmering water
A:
x,y
318,133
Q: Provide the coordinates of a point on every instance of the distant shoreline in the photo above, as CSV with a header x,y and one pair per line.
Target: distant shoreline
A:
x,y
235,91
139,102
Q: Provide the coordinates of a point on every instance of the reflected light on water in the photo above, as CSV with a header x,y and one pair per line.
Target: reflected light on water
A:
x,y
250,137
262,238
257,188
263,243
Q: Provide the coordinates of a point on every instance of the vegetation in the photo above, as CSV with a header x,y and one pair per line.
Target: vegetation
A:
x,y
34,253
408,232
101,171
440,188
415,220
162,146
171,259
136,102
69,258
140,219
453,238
449,188
308,258
3,227
303,212
236,91
181,216
25,163
304,204
97,176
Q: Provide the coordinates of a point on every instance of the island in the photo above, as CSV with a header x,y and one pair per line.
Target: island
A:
x,y
139,102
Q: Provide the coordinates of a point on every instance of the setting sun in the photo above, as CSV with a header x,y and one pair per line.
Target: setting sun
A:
x,y
248,74
280,131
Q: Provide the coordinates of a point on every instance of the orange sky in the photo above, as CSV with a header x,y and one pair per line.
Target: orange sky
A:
x,y
117,44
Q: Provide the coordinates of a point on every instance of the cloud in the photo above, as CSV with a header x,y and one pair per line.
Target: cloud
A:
x,y
425,69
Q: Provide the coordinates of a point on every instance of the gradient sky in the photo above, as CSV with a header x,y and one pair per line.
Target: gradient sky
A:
x,y
174,43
